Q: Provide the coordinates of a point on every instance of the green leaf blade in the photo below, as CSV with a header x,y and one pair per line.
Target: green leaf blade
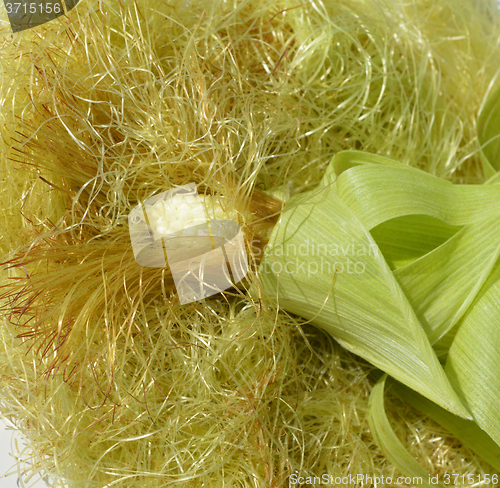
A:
x,y
366,311
387,440
473,363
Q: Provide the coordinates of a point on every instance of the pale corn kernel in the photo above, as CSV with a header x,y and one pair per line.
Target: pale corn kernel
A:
x,y
182,211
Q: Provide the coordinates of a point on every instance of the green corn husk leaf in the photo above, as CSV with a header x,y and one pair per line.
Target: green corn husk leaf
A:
x,y
473,362
422,234
442,284
467,431
323,264
387,440
377,189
